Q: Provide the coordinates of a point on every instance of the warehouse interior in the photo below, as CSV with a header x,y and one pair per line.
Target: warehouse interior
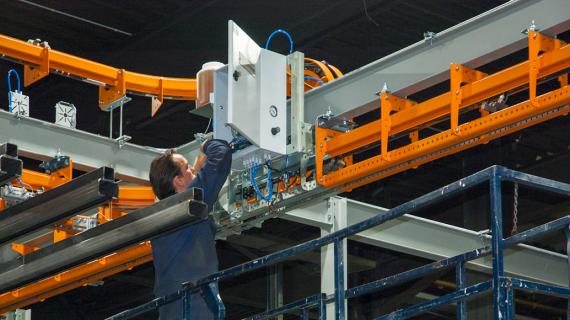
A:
x,y
173,38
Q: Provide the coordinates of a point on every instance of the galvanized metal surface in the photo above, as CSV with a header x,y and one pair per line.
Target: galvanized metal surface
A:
x,y
435,240
39,140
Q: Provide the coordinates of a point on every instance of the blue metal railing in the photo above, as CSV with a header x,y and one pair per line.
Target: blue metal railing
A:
x,y
501,286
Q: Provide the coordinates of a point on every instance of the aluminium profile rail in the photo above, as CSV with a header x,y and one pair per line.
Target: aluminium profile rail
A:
x,y
74,197
165,216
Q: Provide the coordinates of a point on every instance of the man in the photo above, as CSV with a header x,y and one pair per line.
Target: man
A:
x,y
190,253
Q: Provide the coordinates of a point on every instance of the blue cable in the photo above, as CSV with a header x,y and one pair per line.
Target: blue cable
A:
x,y
10,72
314,79
21,183
269,182
283,32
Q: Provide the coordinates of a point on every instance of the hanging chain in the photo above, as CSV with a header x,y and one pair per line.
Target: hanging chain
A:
x,y
515,208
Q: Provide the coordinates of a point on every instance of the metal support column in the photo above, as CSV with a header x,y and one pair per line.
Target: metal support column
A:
x,y
339,279
499,296
275,288
567,234
510,299
460,277
333,262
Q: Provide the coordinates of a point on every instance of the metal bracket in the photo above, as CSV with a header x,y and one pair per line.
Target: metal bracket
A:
x,y
297,115
33,74
460,75
537,43
429,36
122,140
111,97
58,162
390,103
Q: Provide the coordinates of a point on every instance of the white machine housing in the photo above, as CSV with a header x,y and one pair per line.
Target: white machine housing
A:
x,y
256,93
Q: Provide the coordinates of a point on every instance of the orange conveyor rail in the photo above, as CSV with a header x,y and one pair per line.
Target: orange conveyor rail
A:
x,y
114,83
130,197
548,57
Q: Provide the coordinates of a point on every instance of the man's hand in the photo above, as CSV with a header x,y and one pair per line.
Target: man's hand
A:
x,y
199,162
202,145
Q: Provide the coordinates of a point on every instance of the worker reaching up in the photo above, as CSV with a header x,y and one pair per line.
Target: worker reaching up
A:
x,y
190,253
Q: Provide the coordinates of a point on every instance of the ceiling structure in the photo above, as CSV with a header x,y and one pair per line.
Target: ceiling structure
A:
x,y
175,37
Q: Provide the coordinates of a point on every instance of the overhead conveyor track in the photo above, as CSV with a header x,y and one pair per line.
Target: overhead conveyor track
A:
x,y
72,198
403,117
140,225
114,83
469,89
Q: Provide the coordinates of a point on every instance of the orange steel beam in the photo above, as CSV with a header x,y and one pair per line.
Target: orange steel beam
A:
x,y
114,82
130,197
471,88
437,107
134,197
38,180
76,277
473,133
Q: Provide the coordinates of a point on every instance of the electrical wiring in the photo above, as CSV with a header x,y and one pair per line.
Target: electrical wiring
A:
x,y
282,32
269,182
10,72
314,79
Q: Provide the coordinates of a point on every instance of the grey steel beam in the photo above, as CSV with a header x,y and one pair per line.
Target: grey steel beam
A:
x,y
71,198
434,240
475,42
165,216
41,140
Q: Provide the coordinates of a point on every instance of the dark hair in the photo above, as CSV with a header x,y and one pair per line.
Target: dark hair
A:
x,y
163,169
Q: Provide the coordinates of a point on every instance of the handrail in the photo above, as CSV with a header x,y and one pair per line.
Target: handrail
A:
x,y
501,286
39,60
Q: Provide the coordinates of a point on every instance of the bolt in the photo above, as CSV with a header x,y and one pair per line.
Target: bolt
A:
x,y
236,75
457,91
456,67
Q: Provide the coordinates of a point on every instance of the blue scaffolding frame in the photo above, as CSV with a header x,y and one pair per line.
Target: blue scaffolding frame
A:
x,y
502,287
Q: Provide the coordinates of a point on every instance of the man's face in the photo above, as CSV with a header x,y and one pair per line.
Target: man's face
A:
x,y
187,173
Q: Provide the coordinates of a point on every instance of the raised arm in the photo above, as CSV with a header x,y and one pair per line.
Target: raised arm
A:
x,y
214,171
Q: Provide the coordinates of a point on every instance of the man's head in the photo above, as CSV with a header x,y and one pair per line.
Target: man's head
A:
x,y
170,173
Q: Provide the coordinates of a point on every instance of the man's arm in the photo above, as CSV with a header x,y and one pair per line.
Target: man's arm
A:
x,y
215,170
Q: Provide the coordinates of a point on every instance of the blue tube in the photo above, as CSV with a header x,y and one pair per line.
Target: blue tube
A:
x,y
314,79
269,183
21,183
10,72
283,32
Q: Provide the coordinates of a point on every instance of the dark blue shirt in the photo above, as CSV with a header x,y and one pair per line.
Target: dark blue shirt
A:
x,y
190,253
